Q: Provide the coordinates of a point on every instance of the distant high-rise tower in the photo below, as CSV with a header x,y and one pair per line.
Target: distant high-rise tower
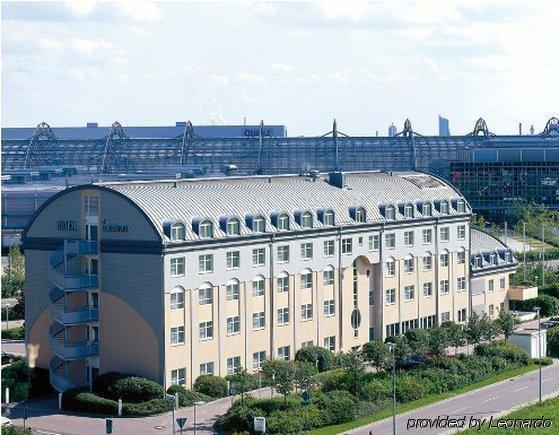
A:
x,y
392,130
532,129
443,126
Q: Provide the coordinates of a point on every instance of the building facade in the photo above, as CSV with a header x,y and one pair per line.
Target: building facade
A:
x,y
174,279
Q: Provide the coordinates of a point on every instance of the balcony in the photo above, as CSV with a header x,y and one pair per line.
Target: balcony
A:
x,y
60,382
71,351
72,282
522,293
75,317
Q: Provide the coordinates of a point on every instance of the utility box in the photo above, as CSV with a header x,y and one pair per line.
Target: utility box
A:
x,y
527,339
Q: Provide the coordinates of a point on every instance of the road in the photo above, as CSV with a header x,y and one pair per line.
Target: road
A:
x,y
493,400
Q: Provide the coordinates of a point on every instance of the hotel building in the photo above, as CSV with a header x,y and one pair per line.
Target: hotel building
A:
x,y
174,279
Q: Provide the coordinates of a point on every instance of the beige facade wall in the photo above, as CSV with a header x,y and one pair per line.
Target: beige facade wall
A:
x,y
485,300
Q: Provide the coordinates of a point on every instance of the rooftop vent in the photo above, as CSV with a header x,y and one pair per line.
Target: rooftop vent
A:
x,y
92,125
337,179
180,124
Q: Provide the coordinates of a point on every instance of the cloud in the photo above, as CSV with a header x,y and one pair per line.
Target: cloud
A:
x,y
282,68
83,47
189,68
219,80
251,77
351,9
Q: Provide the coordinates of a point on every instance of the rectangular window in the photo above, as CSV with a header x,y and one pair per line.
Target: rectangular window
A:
x,y
178,266
283,254
258,287
177,335
502,283
306,251
445,234
390,268
390,241
207,368
232,364
177,300
307,343
329,247
409,292
233,259
258,257
491,285
233,325
427,263
206,330
445,317
306,281
427,236
330,343
408,265
206,263
306,312
283,316
393,329
329,307
91,204
283,284
408,238
374,242
461,257
328,277
391,296
371,298
205,295
461,232
347,246
178,377
427,289
444,260
283,353
491,310
258,320
257,359
462,315
461,283
445,289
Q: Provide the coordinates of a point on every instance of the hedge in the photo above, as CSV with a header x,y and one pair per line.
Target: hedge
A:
x,y
134,389
210,385
103,385
548,304
553,342
79,399
17,333
154,406
16,430
316,355
546,361
24,382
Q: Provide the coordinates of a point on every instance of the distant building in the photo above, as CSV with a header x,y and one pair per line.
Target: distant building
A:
x,y
443,126
392,130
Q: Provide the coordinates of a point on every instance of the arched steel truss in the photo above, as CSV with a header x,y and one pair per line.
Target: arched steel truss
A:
x,y
551,127
42,131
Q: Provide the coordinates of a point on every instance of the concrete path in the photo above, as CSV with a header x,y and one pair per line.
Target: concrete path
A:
x,y
15,347
494,400
12,324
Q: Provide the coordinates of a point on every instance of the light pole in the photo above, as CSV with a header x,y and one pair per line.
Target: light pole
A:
x,y
196,404
392,347
537,310
8,306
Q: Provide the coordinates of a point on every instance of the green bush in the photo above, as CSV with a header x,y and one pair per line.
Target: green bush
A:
x,y
210,385
187,397
239,418
103,385
377,390
78,399
150,407
294,420
548,304
16,430
553,342
316,355
546,361
17,333
503,349
20,392
337,406
24,382
409,389
331,379
135,389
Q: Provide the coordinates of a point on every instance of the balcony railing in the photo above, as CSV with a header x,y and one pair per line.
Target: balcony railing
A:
x,y
75,282
60,382
69,351
82,315
73,248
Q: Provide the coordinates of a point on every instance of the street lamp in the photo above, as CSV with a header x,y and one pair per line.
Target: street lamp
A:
x,y
392,347
199,403
8,306
537,310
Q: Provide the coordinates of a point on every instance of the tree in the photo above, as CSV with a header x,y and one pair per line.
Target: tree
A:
x,y
548,304
13,280
402,349
304,377
377,354
438,340
280,374
418,340
477,221
320,357
456,334
489,328
354,366
242,380
507,323
474,329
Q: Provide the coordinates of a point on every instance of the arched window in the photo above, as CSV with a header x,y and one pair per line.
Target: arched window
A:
x,y
444,207
233,292
306,279
283,222
508,257
390,267
408,211
427,209
178,232
461,206
258,224
206,229
306,219
478,261
205,294
258,285
390,213
328,275
233,227
360,215
328,218
283,282
408,263
493,259
177,298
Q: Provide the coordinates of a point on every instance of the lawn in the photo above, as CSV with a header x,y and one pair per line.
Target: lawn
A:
x,y
429,400
548,409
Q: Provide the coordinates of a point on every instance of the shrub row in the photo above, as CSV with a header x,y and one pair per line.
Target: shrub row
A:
x,y
553,342
24,382
17,333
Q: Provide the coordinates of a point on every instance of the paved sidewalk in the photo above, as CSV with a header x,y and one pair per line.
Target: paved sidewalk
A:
x,y
11,324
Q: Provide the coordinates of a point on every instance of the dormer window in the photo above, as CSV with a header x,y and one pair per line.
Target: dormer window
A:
x,y
493,258
427,209
328,218
360,215
390,213
206,229
508,257
478,261
283,222
461,206
306,220
408,211
444,207
233,227
178,232
258,224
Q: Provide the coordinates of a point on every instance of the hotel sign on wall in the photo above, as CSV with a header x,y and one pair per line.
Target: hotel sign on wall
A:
x,y
67,226
114,228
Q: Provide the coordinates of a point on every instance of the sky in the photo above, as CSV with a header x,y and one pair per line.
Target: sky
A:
x,y
301,64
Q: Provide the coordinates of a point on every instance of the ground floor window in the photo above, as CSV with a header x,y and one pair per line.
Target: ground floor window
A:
x,y
393,329
445,317
178,376
257,359
462,315
283,352
232,364
330,343
207,368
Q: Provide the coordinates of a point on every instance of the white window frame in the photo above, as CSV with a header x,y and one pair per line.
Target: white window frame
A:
x,y
206,229
233,227
258,257
178,232
176,299
176,264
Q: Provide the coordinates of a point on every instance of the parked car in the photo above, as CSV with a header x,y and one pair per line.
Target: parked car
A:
x,y
549,324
